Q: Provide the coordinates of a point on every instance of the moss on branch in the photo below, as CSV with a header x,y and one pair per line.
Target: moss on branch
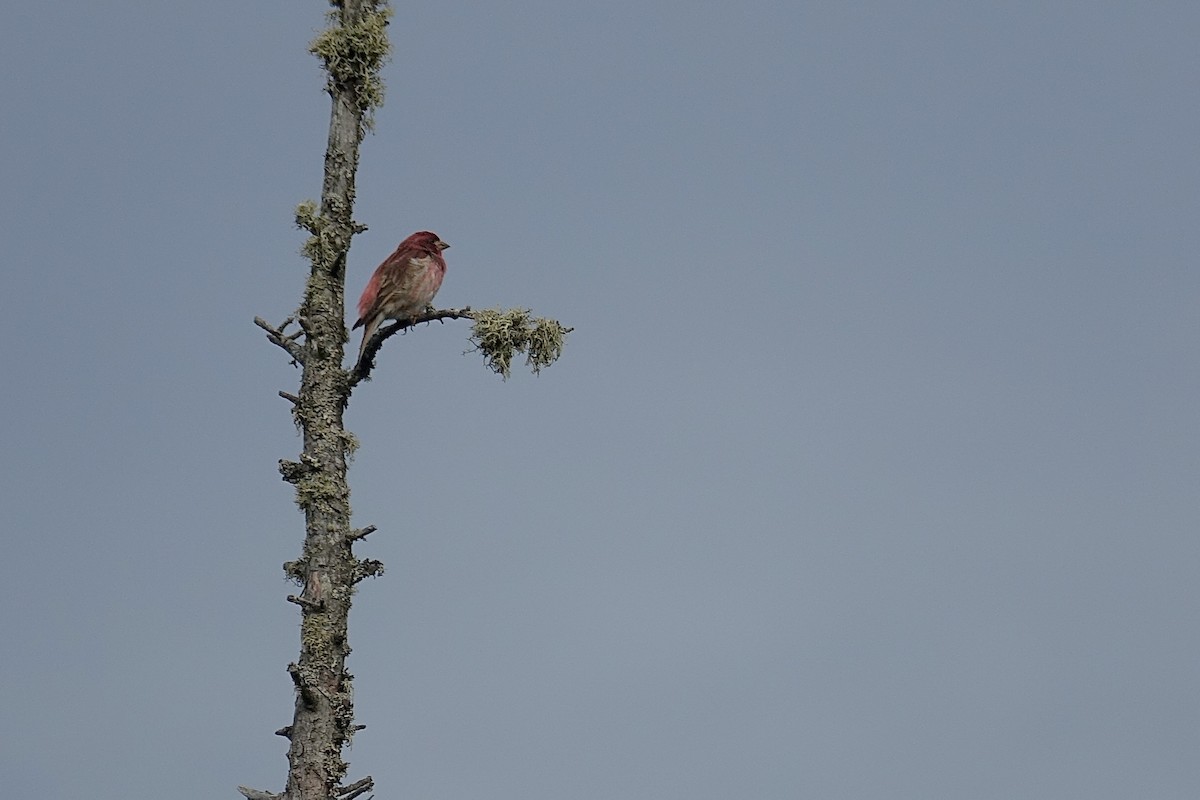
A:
x,y
353,55
501,334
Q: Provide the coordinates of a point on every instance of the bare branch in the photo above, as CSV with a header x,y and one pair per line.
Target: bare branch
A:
x,y
362,370
257,794
355,789
276,336
304,602
290,397
360,533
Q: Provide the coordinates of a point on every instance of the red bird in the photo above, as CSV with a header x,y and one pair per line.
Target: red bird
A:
x,y
403,285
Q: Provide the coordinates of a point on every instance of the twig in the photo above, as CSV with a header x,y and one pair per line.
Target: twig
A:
x,y
360,533
304,602
362,370
277,337
355,789
257,794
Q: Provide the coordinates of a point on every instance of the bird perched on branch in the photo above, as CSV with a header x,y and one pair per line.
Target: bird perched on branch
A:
x,y
403,285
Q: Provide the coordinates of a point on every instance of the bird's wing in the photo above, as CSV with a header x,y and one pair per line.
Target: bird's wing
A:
x,y
368,298
387,277
401,279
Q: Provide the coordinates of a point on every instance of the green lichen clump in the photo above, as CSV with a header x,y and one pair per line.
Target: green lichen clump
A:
x,y
353,55
499,335
321,248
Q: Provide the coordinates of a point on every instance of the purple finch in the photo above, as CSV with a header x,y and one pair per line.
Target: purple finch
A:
x,y
403,285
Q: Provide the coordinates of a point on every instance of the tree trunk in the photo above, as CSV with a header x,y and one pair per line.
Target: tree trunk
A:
x,y
352,48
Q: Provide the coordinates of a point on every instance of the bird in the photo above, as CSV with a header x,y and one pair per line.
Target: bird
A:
x,y
403,285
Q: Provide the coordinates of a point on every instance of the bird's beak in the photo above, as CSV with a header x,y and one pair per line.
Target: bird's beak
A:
x,y
441,245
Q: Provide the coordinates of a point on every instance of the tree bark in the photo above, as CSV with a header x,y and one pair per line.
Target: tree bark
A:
x,y
353,48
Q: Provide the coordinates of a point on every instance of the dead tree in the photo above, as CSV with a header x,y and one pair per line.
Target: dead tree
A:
x,y
352,48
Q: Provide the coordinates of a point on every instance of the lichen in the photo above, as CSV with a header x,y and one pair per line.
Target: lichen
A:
x,y
353,55
316,635
320,492
501,334
350,444
294,570
307,217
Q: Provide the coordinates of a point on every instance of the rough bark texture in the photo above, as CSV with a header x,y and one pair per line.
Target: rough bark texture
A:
x,y
352,48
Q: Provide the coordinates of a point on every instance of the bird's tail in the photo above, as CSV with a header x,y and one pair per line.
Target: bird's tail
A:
x,y
369,329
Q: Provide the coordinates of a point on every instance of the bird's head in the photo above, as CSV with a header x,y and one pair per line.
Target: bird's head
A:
x,y
425,240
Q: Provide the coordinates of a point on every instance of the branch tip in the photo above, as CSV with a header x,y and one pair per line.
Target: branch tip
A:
x,y
360,533
305,603
356,788
257,794
277,337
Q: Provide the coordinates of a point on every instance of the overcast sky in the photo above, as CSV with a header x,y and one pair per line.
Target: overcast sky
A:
x,y
869,471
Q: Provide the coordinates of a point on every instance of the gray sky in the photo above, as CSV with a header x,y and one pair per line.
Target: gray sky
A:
x,y
869,471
